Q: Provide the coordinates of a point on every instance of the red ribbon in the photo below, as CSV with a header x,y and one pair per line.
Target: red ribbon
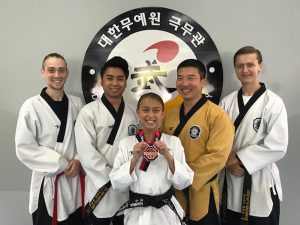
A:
x,y
82,184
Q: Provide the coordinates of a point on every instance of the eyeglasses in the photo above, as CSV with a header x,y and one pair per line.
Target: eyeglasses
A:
x,y
59,70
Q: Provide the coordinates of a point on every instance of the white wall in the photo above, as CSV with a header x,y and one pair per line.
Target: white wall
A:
x,y
33,28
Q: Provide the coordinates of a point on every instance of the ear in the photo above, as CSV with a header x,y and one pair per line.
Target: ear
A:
x,y
203,82
137,113
42,72
260,67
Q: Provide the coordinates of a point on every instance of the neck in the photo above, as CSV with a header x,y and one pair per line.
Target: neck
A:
x,y
116,102
188,104
250,89
149,134
56,95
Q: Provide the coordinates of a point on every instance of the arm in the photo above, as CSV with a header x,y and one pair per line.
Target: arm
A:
x,y
93,162
164,151
234,165
138,150
182,176
73,168
122,175
273,142
218,147
37,157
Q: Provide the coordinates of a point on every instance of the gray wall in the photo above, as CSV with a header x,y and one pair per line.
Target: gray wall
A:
x,y
31,29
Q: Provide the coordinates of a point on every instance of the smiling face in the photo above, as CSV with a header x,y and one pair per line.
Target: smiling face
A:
x,y
55,73
247,68
114,83
150,113
189,84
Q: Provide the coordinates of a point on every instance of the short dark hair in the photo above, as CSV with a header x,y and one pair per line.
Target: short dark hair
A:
x,y
117,62
194,63
248,50
55,55
153,96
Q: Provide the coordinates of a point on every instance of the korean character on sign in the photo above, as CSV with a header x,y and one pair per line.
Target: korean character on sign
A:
x,y
114,31
175,23
187,28
197,39
155,19
126,23
140,18
104,40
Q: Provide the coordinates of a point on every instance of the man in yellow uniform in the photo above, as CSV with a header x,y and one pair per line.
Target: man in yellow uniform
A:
x,y
206,133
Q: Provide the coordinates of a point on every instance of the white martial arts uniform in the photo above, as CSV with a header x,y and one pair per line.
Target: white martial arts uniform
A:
x,y
92,129
155,181
37,147
260,141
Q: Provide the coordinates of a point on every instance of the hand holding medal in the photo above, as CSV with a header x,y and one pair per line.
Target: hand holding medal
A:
x,y
138,150
162,148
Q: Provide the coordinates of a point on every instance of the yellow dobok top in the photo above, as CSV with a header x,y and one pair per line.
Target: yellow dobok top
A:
x,y
207,139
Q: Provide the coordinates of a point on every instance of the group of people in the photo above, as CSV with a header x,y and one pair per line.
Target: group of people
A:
x,y
196,163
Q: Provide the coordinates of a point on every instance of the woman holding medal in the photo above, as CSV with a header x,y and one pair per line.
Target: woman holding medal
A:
x,y
149,164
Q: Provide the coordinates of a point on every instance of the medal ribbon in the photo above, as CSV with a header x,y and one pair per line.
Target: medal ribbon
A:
x,y
145,163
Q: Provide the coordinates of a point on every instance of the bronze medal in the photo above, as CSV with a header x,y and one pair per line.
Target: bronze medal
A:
x,y
150,153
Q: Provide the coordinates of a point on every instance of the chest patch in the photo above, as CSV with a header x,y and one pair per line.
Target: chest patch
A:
x,y
256,124
132,130
195,132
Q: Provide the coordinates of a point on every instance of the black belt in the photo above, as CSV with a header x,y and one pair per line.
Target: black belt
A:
x,y
245,209
142,200
89,208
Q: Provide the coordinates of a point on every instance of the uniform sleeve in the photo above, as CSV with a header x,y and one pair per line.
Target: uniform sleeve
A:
x,y
36,157
222,104
120,177
218,147
272,147
183,175
93,162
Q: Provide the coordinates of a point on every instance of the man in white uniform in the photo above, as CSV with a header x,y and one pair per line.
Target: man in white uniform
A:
x,y
45,143
252,188
100,126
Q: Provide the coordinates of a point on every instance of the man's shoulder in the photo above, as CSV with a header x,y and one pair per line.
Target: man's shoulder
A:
x,y
214,110
73,97
275,102
75,100
273,95
32,101
129,107
173,110
230,96
91,105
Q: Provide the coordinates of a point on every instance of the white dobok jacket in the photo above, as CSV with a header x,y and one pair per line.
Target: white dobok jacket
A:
x,y
260,141
37,148
93,127
156,180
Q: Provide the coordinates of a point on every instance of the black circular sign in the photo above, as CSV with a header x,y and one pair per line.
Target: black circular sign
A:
x,y
154,41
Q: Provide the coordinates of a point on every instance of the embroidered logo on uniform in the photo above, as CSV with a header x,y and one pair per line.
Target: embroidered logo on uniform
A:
x,y
195,132
132,130
256,124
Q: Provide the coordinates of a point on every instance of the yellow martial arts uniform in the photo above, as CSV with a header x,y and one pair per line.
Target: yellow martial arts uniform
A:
x,y
207,139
